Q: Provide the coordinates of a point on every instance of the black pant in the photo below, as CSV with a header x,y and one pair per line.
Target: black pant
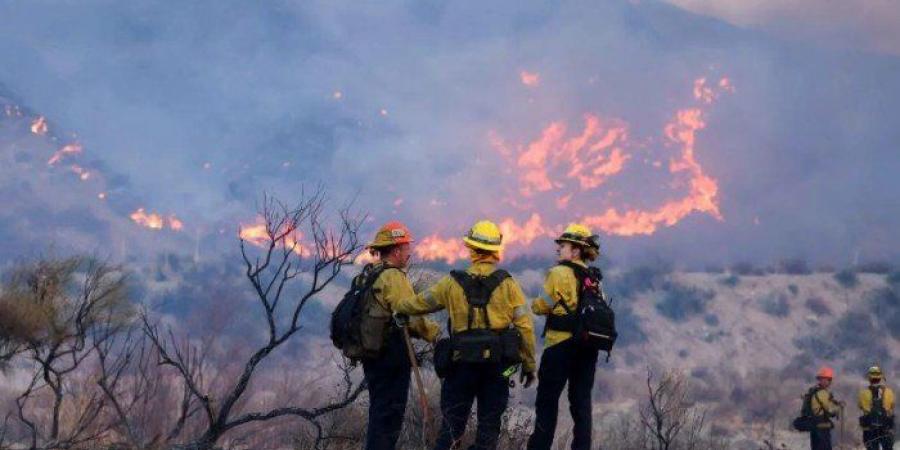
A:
x,y
564,363
820,439
388,381
879,439
465,383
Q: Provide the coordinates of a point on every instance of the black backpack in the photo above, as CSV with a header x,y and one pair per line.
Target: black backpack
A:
x,y
806,421
478,345
348,317
593,323
877,418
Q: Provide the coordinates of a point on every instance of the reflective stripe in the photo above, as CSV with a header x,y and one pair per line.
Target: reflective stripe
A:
x,y
520,311
430,300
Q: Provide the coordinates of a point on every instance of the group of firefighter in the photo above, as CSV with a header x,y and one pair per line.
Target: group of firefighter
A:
x,y
820,409
502,308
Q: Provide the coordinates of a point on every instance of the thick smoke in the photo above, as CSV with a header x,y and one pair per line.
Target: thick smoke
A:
x,y
204,105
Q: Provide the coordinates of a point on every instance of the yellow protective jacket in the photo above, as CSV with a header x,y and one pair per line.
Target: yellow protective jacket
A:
x,y
391,286
824,406
506,306
560,286
887,400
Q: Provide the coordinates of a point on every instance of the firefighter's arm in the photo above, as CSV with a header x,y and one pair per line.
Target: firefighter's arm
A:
x,y
864,401
522,321
889,401
427,301
425,328
553,287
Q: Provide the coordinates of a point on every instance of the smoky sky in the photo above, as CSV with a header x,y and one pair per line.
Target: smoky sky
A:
x,y
391,100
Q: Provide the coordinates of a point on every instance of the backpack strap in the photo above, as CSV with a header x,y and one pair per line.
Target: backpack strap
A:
x,y
478,291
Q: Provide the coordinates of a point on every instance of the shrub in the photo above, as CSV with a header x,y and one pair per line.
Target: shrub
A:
x,y
818,306
893,278
793,266
776,306
640,279
730,280
878,267
747,268
794,289
885,305
680,302
847,278
711,320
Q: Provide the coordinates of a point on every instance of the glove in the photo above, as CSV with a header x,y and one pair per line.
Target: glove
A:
x,y
402,320
526,379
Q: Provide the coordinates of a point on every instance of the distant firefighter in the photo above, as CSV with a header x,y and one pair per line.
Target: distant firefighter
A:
x,y
491,333
818,411
876,402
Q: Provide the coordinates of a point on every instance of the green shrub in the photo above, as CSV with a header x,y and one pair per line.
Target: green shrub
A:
x,y
680,302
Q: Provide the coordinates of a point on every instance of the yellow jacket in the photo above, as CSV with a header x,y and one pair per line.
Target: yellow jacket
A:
x,y
824,404
506,306
559,286
887,400
389,288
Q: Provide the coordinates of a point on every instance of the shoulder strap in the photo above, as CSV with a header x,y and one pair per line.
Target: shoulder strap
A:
x,y
478,290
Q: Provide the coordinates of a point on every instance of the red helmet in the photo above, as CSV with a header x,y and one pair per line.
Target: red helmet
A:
x,y
391,233
825,372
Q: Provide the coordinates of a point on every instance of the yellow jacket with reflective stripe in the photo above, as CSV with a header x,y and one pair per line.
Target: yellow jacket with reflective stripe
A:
x,y
506,306
390,287
887,400
825,404
560,286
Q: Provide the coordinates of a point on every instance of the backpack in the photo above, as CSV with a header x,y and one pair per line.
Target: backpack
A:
x,y
478,345
806,421
359,324
593,322
877,417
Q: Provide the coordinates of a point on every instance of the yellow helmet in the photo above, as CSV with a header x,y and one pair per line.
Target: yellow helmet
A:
x,y
579,234
874,372
484,235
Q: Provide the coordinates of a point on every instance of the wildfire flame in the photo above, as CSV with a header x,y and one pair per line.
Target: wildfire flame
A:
x,y
530,79
156,221
258,235
68,149
82,173
39,126
561,165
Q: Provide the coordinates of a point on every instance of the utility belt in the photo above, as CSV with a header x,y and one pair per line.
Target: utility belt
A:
x,y
876,421
567,322
478,346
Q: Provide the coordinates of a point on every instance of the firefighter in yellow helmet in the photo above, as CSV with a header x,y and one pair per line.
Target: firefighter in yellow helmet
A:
x,y
564,361
876,401
491,332
388,374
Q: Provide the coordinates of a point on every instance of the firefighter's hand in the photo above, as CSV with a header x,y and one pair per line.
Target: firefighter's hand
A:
x,y
526,379
401,319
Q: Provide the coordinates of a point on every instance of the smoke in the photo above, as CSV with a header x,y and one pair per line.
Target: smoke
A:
x,y
204,105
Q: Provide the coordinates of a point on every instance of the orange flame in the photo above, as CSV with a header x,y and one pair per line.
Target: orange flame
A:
x,y
560,164
530,79
153,221
39,126
258,235
434,247
68,149
82,173
591,157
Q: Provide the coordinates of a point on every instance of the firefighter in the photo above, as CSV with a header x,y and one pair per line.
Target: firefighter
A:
x,y
876,401
477,316
388,375
563,360
824,408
